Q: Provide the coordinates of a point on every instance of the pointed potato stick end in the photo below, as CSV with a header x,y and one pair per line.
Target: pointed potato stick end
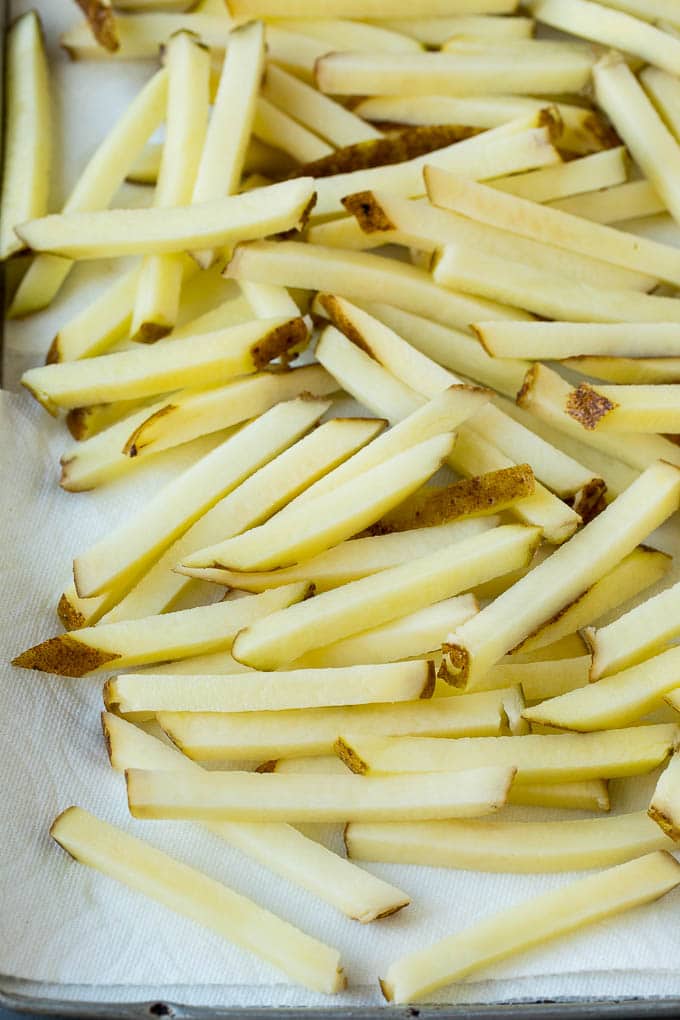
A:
x,y
54,827
547,623
588,407
42,399
65,480
53,355
278,341
76,422
336,313
602,131
349,757
551,119
70,617
589,501
135,442
455,667
431,682
268,766
368,212
524,392
65,656
386,990
479,334
150,332
664,821
102,23
109,696
106,732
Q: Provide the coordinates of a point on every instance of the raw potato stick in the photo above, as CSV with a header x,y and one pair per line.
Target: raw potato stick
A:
x,y
254,796
539,758
27,141
100,17
516,847
202,899
275,845
252,736
626,408
555,341
276,128
664,807
437,31
627,370
378,9
530,924
601,170
346,34
572,568
636,635
612,205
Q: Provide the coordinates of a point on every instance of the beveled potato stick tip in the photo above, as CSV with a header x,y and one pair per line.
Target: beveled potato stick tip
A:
x,y
102,22
664,807
636,635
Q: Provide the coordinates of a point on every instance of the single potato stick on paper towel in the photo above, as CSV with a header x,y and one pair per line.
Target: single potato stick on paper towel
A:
x,y
275,845
564,576
156,638
539,758
626,408
617,700
255,796
202,899
218,223
636,635
530,924
516,847
252,736
27,139
270,692
664,807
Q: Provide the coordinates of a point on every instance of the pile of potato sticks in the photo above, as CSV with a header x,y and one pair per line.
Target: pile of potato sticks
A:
x,y
431,204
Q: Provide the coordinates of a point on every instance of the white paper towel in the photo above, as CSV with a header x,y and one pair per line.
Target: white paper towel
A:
x,y
68,932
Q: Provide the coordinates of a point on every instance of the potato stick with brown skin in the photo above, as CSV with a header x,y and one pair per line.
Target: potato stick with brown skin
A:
x,y
539,222
612,205
616,700
357,274
635,636
341,564
544,758
122,554
532,923
192,894
545,394
102,22
269,692
27,144
254,500
514,847
255,796
563,577
612,28
248,736
115,232
626,408
278,847
664,807
545,293
555,341
647,138
321,114
652,371
394,220
485,494
583,130
156,638
525,67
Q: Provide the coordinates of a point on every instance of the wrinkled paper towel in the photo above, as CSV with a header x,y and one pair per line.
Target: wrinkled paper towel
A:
x,y
68,932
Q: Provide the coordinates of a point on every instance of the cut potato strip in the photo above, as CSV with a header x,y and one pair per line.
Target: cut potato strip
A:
x,y
209,358
545,293
157,638
626,408
612,205
610,28
277,846
270,692
616,700
540,680
415,634
532,923
100,17
248,736
98,325
383,597
636,635
318,524
524,67
653,371
115,232
276,128
551,586
601,170
664,807
538,758
346,562
541,223
255,796
637,571
663,89
345,34
27,139
322,115
517,847
368,9
255,499
546,394
647,138
121,555
390,219
559,340
436,31
358,274
192,894
259,159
